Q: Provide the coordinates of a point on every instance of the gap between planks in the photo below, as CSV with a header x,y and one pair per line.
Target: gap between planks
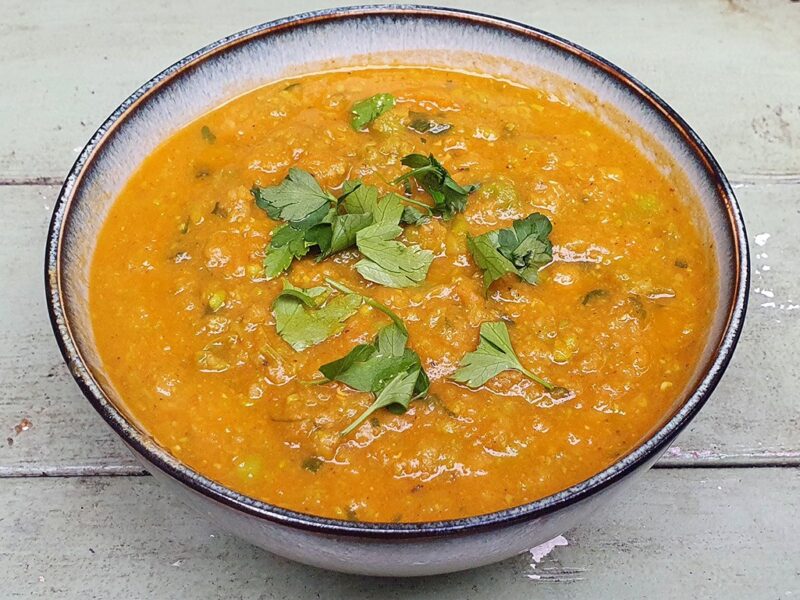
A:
x,y
689,461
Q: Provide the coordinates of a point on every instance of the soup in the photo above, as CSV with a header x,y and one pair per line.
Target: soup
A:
x,y
400,294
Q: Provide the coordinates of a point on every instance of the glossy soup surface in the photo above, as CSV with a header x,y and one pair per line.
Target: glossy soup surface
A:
x,y
225,394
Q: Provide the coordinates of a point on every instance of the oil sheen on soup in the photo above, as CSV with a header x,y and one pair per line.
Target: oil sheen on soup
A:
x,y
520,302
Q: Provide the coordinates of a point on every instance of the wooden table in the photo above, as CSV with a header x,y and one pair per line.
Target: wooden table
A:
x,y
719,516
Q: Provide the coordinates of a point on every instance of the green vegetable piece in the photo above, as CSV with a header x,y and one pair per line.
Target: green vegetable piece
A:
x,y
423,123
681,264
298,199
521,249
636,307
501,192
449,198
312,464
219,211
594,295
366,111
648,204
216,300
385,368
493,355
208,135
251,467
304,317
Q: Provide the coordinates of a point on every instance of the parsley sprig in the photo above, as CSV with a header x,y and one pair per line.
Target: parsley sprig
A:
x,y
316,220
493,355
386,368
521,249
306,317
449,198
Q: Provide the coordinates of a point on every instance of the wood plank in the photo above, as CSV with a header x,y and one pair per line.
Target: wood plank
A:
x,y
125,537
722,65
753,418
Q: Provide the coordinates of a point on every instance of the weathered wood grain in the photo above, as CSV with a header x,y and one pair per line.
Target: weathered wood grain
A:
x,y
753,418
729,67
726,533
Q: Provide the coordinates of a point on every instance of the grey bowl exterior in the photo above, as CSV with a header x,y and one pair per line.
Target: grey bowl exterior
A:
x,y
337,38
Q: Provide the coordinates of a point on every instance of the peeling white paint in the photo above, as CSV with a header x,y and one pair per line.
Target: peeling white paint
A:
x,y
539,553
762,238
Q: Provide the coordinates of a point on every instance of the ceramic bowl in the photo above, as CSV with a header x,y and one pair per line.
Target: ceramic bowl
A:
x,y
384,35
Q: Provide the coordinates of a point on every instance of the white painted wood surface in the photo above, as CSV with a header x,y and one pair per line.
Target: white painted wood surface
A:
x,y
729,67
682,533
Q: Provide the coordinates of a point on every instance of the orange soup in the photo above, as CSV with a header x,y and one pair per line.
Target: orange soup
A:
x,y
400,294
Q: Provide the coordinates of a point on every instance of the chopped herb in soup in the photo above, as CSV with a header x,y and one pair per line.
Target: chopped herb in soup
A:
x,y
400,294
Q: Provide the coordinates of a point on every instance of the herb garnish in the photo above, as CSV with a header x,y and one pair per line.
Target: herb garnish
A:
x,y
493,355
207,134
594,295
305,317
414,216
367,110
521,249
312,464
370,301
387,261
316,219
423,123
449,198
298,199
386,368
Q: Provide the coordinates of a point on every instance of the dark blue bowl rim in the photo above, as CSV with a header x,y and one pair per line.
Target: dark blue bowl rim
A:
x,y
156,456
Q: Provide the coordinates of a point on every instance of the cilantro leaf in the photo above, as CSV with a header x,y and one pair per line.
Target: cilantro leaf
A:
x,y
493,355
386,367
522,249
389,262
449,198
305,317
366,111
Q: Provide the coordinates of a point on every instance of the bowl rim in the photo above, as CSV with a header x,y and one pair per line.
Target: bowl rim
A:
x,y
143,445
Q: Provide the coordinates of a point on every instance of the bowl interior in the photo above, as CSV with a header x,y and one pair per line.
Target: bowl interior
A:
x,y
352,39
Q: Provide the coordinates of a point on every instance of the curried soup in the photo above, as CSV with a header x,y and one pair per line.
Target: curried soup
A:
x,y
400,294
